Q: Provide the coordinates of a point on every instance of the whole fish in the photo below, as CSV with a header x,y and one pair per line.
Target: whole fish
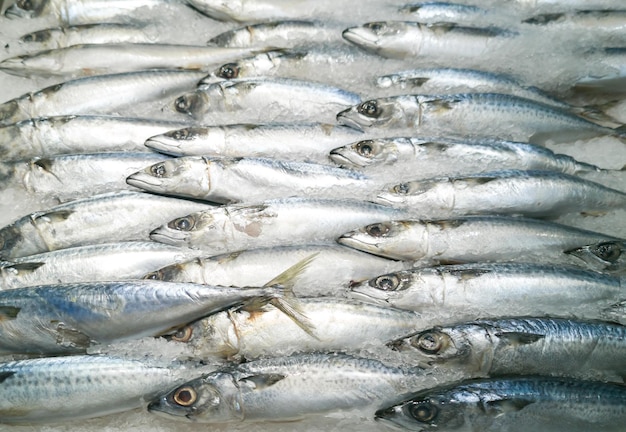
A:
x,y
513,405
282,34
546,346
309,142
471,239
98,59
265,100
528,193
338,325
98,95
68,177
288,388
52,136
66,318
464,292
603,256
117,216
332,271
62,37
475,114
46,390
423,158
110,262
411,39
226,180
236,227
84,11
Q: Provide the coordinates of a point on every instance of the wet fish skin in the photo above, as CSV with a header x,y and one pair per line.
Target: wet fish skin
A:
x,y
69,318
309,142
429,12
243,226
546,346
281,33
455,240
117,216
514,405
288,388
244,11
227,180
46,390
493,290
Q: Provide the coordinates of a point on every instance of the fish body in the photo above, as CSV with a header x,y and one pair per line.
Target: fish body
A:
x,y
513,405
287,388
528,193
112,261
66,318
226,180
331,272
287,33
117,216
238,227
309,142
430,12
47,390
266,100
337,324
98,95
471,239
245,11
77,134
546,346
422,158
98,59
494,290
491,115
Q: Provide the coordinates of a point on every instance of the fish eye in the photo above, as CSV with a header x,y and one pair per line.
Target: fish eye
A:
x,y
369,109
401,189
155,275
183,104
158,170
386,282
429,342
375,26
365,148
180,134
185,396
377,230
25,5
423,411
229,71
183,335
185,223
608,251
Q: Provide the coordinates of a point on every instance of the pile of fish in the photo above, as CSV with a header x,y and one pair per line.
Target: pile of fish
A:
x,y
358,215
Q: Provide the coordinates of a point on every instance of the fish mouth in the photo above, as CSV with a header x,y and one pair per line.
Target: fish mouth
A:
x,y
145,181
15,12
164,146
337,157
344,118
360,37
165,235
387,199
12,65
369,295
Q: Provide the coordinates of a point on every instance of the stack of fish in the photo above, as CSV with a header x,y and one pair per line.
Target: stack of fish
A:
x,y
293,222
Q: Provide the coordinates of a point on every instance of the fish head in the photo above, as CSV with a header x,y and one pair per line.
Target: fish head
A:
x,y
180,142
604,256
383,289
27,9
401,240
371,152
383,112
41,36
191,230
212,398
194,104
432,194
211,337
393,39
184,176
258,65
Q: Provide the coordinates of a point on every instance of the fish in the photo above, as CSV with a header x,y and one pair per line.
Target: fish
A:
x,y
227,180
69,318
236,227
603,256
332,271
281,34
109,261
79,134
471,239
515,192
62,37
431,12
602,24
339,324
244,11
55,389
287,388
270,63
308,142
491,115
513,405
397,159
523,346
412,39
265,100
114,216
98,59
98,95
454,293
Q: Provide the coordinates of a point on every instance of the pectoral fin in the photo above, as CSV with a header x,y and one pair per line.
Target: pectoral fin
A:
x,y
262,381
517,339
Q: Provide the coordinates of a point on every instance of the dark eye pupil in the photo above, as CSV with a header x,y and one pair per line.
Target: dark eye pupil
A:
x,y
365,149
25,4
180,135
368,108
609,252
424,412
184,396
182,104
183,224
158,170
229,71
402,188
377,230
152,276
386,283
